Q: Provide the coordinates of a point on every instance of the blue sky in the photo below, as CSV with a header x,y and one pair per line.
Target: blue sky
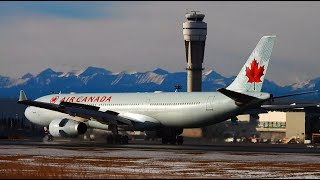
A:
x,y
142,36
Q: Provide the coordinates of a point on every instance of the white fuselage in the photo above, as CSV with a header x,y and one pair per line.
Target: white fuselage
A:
x,y
177,109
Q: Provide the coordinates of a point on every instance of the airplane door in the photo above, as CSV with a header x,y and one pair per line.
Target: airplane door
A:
x,y
147,104
209,106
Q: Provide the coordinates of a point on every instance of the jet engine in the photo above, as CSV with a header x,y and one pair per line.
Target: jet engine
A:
x,y
67,128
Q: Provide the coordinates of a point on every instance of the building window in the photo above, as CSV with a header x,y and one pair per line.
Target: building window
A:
x,y
283,124
272,124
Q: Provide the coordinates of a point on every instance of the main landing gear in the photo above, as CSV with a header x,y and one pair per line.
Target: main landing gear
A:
x,y
171,136
115,137
173,140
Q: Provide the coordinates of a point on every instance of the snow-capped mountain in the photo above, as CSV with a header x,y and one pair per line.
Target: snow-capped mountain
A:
x,y
95,79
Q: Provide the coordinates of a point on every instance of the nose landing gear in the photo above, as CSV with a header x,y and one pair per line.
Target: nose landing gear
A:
x,y
48,137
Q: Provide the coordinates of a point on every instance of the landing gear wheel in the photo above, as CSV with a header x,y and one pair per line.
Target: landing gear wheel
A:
x,y
171,136
48,138
124,139
179,140
173,140
110,139
119,139
165,140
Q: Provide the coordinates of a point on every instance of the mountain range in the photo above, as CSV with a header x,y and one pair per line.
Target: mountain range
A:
x,y
94,79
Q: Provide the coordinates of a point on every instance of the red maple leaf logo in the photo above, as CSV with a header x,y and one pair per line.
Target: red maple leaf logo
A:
x,y
54,99
254,74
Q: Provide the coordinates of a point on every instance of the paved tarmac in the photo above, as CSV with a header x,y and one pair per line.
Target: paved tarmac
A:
x,y
193,144
141,159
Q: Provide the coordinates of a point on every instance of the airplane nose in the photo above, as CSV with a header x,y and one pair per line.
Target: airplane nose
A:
x,y
32,114
28,113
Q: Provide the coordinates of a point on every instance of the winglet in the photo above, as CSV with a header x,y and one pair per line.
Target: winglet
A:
x,y
22,96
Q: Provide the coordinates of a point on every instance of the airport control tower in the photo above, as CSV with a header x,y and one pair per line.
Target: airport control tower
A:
x,y
194,34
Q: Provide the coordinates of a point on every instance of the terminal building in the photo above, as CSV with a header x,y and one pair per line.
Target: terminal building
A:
x,y
282,126
296,127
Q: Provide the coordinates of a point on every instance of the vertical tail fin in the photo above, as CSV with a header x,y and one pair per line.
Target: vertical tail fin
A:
x,y
252,74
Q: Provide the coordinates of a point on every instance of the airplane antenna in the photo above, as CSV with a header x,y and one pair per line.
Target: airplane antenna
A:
x,y
195,12
177,88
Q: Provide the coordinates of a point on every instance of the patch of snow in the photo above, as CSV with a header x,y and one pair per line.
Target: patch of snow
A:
x,y
78,72
301,83
65,74
206,73
151,77
119,77
219,81
16,82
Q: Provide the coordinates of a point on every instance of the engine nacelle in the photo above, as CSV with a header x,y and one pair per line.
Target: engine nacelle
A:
x,y
67,128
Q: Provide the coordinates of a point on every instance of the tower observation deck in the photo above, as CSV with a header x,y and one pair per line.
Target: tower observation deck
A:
x,y
194,34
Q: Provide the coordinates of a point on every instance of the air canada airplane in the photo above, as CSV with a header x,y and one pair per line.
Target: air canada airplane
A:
x,y
165,114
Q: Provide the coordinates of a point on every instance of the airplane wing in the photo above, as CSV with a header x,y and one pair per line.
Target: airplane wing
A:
x,y
79,110
88,112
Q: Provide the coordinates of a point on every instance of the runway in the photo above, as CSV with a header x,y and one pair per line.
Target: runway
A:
x,y
192,145
87,159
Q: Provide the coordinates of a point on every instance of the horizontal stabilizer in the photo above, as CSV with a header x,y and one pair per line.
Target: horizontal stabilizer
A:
x,y
239,98
296,94
313,106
